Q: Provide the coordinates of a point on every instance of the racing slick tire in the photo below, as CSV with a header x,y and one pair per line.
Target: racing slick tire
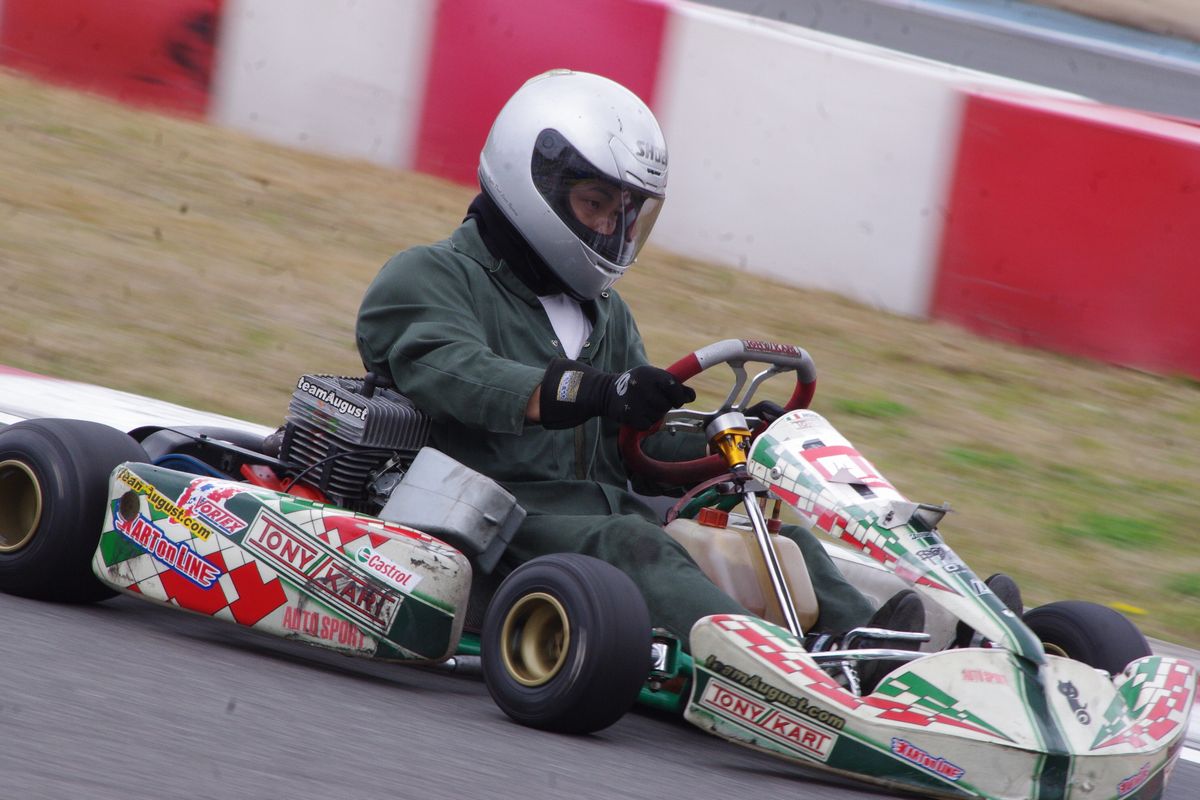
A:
x,y
566,644
1094,634
53,487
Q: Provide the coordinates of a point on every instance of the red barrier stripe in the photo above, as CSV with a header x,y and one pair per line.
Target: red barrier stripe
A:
x,y
143,52
483,50
1075,228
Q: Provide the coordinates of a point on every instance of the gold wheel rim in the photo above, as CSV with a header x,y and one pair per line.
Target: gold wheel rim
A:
x,y
1054,650
20,505
535,638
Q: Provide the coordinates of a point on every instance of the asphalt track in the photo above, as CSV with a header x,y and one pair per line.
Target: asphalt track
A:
x,y
125,700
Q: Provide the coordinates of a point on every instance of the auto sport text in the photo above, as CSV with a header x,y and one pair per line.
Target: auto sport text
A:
x,y
323,626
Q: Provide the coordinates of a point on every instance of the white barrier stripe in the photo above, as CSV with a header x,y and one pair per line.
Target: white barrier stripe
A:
x,y
1188,754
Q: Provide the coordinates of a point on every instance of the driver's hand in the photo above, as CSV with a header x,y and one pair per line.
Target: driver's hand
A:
x,y
641,396
573,392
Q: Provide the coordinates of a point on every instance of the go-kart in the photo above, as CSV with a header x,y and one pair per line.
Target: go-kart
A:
x,y
342,530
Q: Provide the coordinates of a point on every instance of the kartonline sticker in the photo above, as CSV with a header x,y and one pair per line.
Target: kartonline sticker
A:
x,y
178,556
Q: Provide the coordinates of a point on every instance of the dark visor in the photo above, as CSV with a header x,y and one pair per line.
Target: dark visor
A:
x,y
612,218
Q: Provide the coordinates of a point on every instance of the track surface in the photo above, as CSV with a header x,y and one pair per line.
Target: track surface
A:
x,y
125,700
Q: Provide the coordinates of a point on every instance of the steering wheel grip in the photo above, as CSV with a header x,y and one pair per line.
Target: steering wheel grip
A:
x,y
735,352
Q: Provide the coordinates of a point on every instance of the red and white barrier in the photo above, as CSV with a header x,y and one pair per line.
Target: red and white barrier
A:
x,y
1075,227
806,157
924,189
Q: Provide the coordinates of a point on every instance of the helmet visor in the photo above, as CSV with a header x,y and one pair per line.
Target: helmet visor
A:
x,y
610,217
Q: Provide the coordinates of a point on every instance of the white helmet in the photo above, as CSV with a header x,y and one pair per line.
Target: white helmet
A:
x,y
578,165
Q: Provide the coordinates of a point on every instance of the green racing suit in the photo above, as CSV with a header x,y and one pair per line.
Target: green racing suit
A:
x,y
462,337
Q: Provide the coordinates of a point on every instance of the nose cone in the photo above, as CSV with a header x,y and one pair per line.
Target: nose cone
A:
x,y
974,722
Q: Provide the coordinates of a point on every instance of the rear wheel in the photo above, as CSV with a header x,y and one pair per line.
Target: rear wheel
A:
x,y
1094,634
53,487
566,644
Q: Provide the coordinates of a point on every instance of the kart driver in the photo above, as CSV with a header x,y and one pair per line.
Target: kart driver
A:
x,y
510,336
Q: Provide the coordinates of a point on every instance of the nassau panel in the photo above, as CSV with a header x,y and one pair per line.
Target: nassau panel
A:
x,y
1075,228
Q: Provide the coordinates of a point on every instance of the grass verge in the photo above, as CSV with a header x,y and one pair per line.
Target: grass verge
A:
x,y
196,265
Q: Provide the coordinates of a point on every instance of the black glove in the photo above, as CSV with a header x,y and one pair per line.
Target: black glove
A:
x,y
573,392
765,410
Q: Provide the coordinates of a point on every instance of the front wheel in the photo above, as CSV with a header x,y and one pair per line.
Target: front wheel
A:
x,y
53,488
566,644
1094,634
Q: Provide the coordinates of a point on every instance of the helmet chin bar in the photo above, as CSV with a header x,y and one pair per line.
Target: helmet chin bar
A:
x,y
595,283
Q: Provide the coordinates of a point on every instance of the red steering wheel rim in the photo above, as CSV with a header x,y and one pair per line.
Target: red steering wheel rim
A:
x,y
691,472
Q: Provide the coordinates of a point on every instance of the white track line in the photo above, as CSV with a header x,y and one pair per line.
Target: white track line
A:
x,y
1188,754
1051,34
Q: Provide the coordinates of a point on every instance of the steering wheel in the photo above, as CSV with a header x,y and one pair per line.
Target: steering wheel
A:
x,y
736,353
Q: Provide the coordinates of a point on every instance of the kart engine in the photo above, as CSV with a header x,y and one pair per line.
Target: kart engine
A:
x,y
349,439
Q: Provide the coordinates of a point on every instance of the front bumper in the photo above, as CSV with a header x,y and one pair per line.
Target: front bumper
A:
x,y
961,723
